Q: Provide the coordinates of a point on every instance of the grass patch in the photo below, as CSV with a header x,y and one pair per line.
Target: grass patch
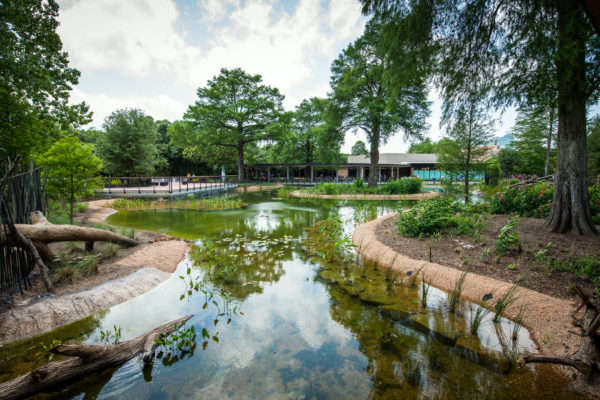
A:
x,y
507,300
454,299
187,204
74,270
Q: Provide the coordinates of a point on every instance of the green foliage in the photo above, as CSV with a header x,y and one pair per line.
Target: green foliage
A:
x,y
531,201
530,133
109,335
427,218
506,301
508,238
45,348
233,110
128,145
71,171
509,161
358,183
468,224
593,151
35,81
69,272
405,185
469,131
359,149
220,203
479,315
594,193
585,266
363,99
426,146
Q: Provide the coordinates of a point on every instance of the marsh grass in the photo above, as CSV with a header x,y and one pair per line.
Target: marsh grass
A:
x,y
507,300
518,324
478,316
412,281
454,299
424,290
187,204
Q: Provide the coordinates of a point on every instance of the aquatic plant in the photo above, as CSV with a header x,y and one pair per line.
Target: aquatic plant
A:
x,y
507,299
479,315
190,203
108,335
518,323
45,349
414,275
424,290
454,299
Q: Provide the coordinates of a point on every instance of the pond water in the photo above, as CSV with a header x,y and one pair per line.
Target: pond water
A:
x,y
283,322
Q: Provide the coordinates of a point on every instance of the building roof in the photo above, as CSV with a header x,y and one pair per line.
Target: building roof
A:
x,y
397,158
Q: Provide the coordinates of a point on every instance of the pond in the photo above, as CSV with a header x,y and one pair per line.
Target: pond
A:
x,y
279,320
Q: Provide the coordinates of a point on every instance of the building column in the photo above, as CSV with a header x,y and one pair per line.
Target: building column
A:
x,y
287,173
268,174
312,174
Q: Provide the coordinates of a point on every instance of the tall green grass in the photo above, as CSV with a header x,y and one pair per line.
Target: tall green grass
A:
x,y
187,204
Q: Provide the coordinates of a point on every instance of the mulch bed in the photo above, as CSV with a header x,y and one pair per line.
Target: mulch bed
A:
x,y
464,252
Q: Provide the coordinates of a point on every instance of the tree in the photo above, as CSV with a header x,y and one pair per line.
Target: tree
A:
x,y
35,79
522,51
128,145
359,149
365,101
593,144
71,167
509,161
425,146
235,109
533,135
183,136
469,131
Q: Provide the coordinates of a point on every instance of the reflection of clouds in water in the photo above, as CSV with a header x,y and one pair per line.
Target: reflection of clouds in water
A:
x,y
305,306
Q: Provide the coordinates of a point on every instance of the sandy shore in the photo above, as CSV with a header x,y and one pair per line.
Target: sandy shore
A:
x,y
134,272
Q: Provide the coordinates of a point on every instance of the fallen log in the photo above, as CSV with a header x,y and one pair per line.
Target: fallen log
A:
x,y
87,360
41,232
587,357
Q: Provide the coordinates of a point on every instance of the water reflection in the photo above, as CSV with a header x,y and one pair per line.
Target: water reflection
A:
x,y
290,324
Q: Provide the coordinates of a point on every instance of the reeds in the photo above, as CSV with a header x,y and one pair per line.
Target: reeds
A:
x,y
454,299
507,299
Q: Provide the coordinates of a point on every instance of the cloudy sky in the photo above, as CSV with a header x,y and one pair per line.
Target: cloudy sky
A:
x,y
154,54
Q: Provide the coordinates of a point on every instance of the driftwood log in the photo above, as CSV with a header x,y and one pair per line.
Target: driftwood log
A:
x,y
587,357
41,232
87,360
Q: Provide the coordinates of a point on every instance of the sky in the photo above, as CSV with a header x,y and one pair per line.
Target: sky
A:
x,y
155,54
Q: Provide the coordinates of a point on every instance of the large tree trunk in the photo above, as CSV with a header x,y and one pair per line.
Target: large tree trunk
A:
x,y
240,160
41,232
570,206
373,169
87,360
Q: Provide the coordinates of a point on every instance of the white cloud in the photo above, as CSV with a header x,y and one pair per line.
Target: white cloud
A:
x,y
144,38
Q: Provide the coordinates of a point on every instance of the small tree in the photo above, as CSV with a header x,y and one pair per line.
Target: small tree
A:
x,y
128,145
71,169
465,152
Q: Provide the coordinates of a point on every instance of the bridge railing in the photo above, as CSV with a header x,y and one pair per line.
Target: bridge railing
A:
x,y
170,184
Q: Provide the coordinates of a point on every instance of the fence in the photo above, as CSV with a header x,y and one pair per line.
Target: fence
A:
x,y
22,194
168,184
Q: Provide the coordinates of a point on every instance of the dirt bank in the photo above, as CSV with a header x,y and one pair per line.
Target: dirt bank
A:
x,y
135,271
547,318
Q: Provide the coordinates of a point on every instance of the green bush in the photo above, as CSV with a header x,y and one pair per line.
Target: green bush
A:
x,y
358,184
434,216
585,266
406,185
508,237
532,201
594,193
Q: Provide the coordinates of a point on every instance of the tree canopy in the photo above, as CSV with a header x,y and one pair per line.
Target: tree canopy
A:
x,y
234,109
365,101
359,149
128,143
35,79
532,135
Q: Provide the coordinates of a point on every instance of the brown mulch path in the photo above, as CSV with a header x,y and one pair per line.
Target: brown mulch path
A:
x,y
464,252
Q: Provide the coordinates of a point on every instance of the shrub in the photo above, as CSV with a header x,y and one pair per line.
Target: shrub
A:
x,y
434,216
508,237
405,185
594,193
531,201
359,184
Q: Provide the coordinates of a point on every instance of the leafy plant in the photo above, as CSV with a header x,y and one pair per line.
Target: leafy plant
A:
x,y
508,238
108,335
45,349
433,217
486,254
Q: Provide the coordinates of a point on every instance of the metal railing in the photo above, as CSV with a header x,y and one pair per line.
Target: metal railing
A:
x,y
169,184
